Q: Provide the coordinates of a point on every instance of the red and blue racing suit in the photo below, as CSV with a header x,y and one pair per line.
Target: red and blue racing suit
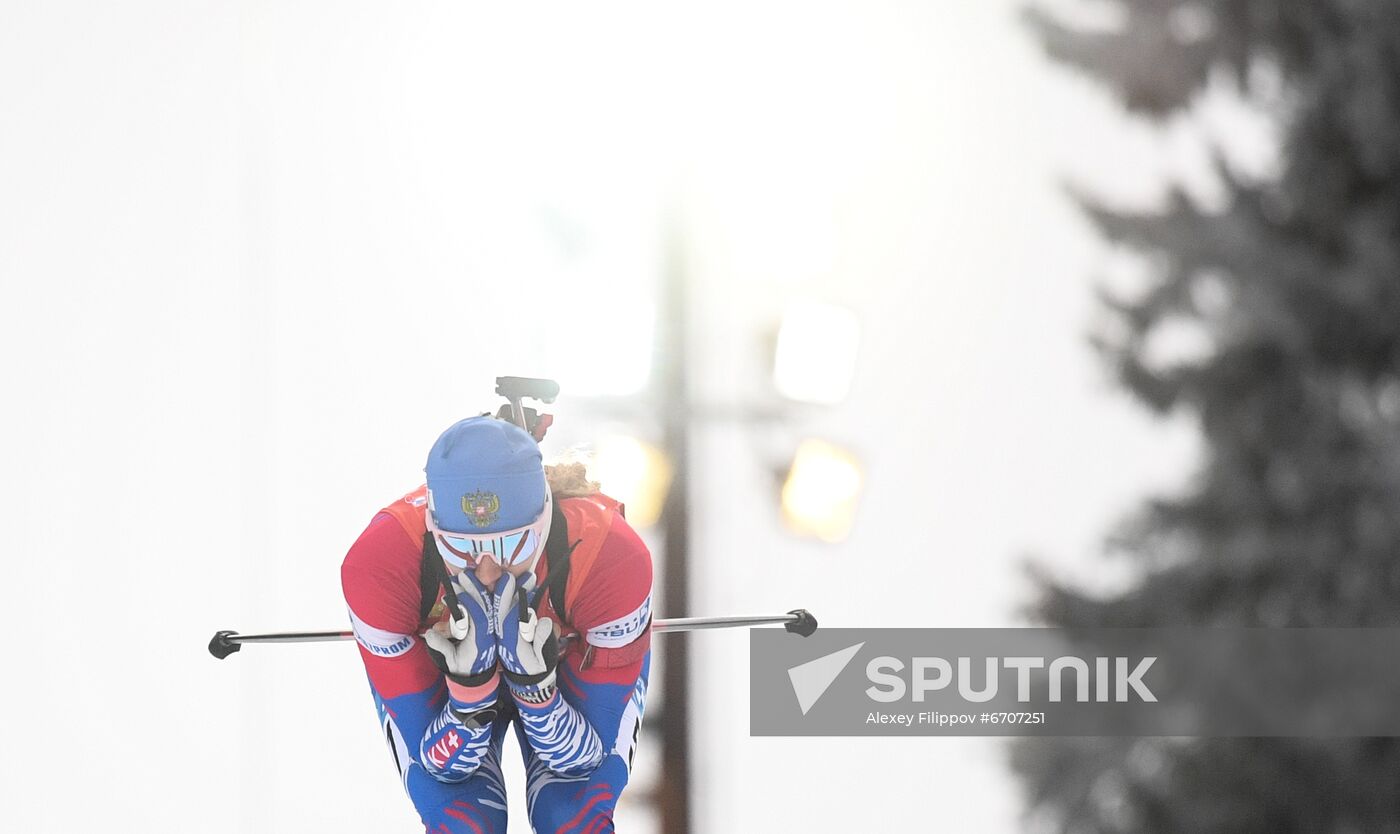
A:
x,y
578,745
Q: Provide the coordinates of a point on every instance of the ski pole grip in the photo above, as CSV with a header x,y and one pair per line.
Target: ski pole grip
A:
x,y
221,646
805,623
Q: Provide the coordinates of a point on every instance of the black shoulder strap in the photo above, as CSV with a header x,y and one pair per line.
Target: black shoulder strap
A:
x,y
557,550
429,576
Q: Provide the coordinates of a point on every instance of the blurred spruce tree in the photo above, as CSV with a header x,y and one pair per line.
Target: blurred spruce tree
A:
x,y
1294,516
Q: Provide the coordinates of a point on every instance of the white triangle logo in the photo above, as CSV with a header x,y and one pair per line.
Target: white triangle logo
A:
x,y
811,679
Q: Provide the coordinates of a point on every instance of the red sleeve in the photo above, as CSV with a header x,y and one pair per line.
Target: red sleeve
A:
x,y
612,607
380,577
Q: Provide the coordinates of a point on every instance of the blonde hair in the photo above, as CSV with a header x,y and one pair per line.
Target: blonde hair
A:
x,y
569,479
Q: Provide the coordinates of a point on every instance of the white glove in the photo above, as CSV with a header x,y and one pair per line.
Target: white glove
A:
x,y
465,649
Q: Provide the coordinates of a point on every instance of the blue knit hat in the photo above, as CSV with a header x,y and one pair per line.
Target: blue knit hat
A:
x,y
485,476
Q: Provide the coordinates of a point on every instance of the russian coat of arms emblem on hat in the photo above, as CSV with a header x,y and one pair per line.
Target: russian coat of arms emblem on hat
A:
x,y
481,507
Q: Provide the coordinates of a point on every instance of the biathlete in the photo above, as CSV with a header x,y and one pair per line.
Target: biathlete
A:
x,y
504,591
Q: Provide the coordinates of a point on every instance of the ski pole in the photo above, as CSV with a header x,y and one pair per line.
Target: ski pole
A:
x,y
798,621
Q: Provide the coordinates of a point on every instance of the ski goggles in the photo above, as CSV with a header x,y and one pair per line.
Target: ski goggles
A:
x,y
464,551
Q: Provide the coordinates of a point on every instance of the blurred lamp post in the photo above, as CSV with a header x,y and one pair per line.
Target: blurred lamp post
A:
x,y
813,363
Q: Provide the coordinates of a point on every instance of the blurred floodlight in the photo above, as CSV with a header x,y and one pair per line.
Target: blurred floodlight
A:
x,y
635,473
816,354
821,491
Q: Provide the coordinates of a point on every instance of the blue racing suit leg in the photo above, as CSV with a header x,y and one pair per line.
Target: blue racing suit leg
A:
x,y
560,804
474,806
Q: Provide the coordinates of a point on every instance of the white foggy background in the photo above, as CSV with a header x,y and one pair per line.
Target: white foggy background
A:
x,y
256,255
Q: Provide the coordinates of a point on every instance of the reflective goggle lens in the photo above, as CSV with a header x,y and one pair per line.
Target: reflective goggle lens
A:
x,y
464,552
